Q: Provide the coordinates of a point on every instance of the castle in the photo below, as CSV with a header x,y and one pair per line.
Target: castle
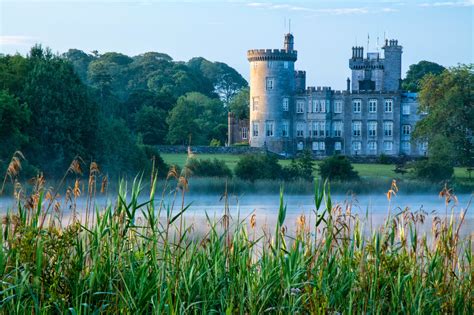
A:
x,y
373,116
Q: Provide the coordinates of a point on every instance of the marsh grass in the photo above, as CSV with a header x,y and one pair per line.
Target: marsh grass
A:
x,y
137,257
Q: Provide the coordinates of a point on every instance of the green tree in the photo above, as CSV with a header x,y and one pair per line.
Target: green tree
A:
x,y
150,122
337,167
197,116
14,118
449,124
416,73
258,166
240,104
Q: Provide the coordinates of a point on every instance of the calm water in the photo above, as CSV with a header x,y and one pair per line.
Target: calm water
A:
x,y
266,207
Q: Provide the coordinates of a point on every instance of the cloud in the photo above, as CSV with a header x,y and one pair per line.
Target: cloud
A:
x,y
16,40
467,3
331,11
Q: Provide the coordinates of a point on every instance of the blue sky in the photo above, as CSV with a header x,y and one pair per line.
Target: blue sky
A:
x,y
439,31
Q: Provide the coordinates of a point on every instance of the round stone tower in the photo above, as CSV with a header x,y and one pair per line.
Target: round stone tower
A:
x,y
272,89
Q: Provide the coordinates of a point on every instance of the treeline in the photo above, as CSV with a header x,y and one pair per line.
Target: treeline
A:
x,y
109,108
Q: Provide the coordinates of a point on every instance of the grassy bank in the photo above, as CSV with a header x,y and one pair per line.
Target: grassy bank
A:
x,y
364,170
137,258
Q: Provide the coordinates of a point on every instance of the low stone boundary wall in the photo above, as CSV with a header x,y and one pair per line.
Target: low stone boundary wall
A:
x,y
208,150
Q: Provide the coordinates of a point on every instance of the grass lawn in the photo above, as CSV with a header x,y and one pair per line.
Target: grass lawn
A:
x,y
369,170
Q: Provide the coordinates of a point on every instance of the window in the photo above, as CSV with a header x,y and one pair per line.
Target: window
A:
x,y
286,104
269,128
300,145
372,105
388,146
337,107
285,64
300,106
388,128
388,105
322,145
314,128
245,133
406,109
337,128
323,106
322,128
270,64
406,130
357,105
337,146
285,128
255,64
315,146
424,146
270,82
255,129
372,146
356,146
406,146
300,129
356,128
372,128
316,106
255,100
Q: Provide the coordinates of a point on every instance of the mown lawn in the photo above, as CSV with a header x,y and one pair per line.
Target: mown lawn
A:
x,y
368,170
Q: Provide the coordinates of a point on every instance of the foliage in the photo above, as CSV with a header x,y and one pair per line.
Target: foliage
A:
x,y
417,72
449,123
434,171
215,143
110,263
226,80
198,117
14,118
337,167
258,166
208,168
239,104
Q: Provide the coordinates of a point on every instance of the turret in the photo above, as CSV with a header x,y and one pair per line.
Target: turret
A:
x,y
272,86
300,81
392,65
289,42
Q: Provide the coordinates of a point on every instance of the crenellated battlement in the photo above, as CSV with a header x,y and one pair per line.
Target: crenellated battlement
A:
x,y
271,54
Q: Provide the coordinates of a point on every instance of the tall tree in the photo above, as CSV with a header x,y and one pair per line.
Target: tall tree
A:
x,y
197,116
449,125
416,72
240,104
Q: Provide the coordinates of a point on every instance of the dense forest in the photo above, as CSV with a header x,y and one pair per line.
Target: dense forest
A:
x,y
110,108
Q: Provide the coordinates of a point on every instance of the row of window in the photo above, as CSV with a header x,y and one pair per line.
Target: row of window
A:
x,y
319,129
323,106
357,146
271,64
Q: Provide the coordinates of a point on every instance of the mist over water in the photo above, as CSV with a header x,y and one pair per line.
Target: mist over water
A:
x,y
371,209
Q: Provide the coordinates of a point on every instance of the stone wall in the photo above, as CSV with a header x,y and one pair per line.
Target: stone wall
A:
x,y
208,150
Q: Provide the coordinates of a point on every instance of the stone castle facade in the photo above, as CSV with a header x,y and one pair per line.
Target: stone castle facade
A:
x,y
372,116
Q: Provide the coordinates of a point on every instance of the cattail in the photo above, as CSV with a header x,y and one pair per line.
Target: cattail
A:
x,y
172,173
77,190
75,167
253,220
94,168
103,187
183,183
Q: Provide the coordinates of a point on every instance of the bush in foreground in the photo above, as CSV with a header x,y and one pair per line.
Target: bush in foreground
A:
x,y
258,166
434,171
208,167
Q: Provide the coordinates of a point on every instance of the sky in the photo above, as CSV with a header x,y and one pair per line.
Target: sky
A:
x,y
439,31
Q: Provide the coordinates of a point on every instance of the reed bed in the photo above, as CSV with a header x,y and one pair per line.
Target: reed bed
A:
x,y
135,257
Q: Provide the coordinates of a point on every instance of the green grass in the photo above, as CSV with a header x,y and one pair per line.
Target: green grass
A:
x,y
140,257
364,170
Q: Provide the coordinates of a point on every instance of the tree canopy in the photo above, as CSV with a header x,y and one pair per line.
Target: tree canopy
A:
x,y
416,72
448,126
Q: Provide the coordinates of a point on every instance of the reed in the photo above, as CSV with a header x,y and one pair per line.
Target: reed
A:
x,y
137,257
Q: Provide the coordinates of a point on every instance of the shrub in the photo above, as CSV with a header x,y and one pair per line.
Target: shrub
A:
x,y
209,168
337,167
384,159
215,143
434,171
258,166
